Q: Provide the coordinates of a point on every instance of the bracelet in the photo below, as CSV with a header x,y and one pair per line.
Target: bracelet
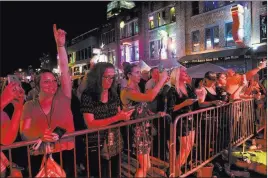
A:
x,y
61,46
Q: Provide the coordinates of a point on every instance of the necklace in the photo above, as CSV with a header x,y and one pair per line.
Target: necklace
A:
x,y
50,112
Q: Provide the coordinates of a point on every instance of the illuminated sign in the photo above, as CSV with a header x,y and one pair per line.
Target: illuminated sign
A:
x,y
113,8
238,24
96,51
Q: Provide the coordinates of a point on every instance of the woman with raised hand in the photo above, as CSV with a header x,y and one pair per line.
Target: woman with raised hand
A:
x,y
181,99
100,106
51,109
130,96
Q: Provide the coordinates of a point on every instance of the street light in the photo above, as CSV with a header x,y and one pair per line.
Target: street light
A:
x,y
20,69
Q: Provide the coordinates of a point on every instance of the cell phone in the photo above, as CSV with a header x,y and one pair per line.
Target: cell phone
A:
x,y
60,131
13,78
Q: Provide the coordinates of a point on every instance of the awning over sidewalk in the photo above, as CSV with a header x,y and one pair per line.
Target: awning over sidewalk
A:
x,y
222,53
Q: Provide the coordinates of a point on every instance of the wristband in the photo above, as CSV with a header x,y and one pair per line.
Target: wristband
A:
x,y
61,46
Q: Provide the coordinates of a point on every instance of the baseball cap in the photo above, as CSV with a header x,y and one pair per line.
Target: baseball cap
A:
x,y
211,76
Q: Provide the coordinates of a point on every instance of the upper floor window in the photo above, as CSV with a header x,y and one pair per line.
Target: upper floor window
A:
x,y
263,28
196,41
212,37
264,3
195,7
151,22
172,13
128,29
210,5
229,41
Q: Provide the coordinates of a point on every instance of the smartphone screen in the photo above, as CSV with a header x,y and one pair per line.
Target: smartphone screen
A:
x,y
60,131
13,78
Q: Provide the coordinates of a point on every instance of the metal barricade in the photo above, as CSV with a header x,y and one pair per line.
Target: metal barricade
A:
x,y
200,136
127,161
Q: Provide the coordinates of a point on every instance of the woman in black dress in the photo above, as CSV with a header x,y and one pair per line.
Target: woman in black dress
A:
x,y
181,99
100,106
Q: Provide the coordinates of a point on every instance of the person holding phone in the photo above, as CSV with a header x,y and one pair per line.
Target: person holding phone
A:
x,y
131,96
100,106
14,94
51,109
181,99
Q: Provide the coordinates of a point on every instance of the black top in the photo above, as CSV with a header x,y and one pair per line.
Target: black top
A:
x,y
79,123
210,97
222,94
142,85
173,98
91,104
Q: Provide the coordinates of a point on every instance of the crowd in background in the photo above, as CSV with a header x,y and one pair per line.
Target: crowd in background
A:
x,y
32,110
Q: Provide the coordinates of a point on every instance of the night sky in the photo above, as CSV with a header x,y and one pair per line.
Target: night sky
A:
x,y
26,28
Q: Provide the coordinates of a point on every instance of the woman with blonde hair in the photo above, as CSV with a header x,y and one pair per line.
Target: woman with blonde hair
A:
x,y
181,99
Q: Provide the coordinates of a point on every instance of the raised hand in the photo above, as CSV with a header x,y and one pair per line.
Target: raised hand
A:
x,y
19,99
263,65
10,92
163,75
59,36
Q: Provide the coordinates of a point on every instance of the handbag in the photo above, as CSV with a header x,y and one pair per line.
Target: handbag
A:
x,y
49,168
113,144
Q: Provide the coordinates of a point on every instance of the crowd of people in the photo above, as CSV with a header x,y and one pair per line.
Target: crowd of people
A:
x,y
101,98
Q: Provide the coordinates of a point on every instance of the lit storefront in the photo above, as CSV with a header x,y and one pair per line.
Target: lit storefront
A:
x,y
130,51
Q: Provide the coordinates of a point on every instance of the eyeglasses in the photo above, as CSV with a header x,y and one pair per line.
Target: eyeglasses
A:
x,y
108,77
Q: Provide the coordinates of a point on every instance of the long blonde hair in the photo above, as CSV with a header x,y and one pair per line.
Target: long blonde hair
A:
x,y
175,77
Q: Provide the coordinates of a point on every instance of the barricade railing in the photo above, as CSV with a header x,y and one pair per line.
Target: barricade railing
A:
x,y
200,136
127,161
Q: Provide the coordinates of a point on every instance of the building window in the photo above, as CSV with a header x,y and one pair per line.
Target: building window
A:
x,y
136,26
164,17
158,19
172,13
264,3
86,53
212,37
113,35
152,50
263,28
210,5
196,41
228,34
89,52
195,7
151,22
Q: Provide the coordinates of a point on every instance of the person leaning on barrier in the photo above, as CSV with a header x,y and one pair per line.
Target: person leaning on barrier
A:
x,y
207,95
100,106
51,109
181,99
14,94
131,96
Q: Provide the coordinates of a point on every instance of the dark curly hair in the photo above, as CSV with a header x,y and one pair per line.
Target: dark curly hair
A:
x,y
94,80
128,69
